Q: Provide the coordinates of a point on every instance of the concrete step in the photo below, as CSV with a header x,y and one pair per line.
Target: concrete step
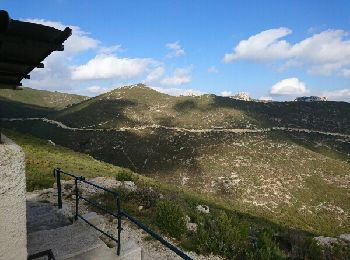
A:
x,y
129,251
99,253
65,241
44,216
79,241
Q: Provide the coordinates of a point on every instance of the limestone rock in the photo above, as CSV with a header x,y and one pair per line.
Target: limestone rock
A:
x,y
203,209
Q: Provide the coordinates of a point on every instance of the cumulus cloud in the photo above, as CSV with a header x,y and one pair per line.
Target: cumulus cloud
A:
x,y
345,72
61,72
110,49
290,86
342,94
107,66
57,73
79,41
178,91
212,69
175,49
264,46
266,98
96,90
180,76
323,53
155,74
226,93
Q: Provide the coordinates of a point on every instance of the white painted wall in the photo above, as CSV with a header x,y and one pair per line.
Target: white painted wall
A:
x,y
13,231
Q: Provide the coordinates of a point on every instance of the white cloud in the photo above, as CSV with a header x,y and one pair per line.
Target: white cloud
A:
x,y
226,93
155,74
180,76
212,69
345,72
342,94
290,86
110,49
61,73
264,46
79,41
178,91
323,53
96,90
57,72
176,50
266,98
108,66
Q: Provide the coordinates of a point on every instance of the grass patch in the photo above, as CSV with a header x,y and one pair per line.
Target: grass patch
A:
x,y
42,158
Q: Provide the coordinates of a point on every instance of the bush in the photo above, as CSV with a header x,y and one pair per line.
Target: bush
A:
x,y
267,248
125,176
222,234
170,218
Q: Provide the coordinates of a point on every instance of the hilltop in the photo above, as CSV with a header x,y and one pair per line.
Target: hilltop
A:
x,y
33,102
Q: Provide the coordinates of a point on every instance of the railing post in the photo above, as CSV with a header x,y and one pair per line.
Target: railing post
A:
x,y
57,174
119,224
76,199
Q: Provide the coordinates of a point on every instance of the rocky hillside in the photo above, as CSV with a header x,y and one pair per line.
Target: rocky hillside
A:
x,y
199,223
231,151
139,105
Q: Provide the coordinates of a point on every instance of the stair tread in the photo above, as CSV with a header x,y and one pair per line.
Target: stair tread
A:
x,y
64,241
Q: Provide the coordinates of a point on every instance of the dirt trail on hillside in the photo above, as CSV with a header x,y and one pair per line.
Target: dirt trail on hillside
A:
x,y
178,129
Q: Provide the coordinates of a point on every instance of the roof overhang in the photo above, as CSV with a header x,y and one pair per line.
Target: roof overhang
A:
x,y
23,47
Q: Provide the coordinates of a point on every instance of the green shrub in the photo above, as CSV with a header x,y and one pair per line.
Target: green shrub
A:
x,y
267,248
170,218
222,234
125,175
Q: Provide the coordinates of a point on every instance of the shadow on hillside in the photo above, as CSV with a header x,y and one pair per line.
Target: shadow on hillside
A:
x,y
324,116
95,113
148,152
186,105
327,145
12,109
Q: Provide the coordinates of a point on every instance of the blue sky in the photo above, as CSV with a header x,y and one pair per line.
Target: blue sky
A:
x,y
271,49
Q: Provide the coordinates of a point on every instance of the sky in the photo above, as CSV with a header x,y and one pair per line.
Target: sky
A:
x,y
271,49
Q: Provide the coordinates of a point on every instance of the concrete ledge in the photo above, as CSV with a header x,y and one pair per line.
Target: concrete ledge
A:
x,y
13,239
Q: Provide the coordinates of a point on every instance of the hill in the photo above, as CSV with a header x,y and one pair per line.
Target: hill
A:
x,y
138,105
228,150
217,231
33,102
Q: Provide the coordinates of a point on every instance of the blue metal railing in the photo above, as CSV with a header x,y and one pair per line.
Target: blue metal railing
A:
x,y
118,214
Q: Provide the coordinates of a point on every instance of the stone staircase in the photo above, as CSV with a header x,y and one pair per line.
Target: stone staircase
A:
x,y
49,228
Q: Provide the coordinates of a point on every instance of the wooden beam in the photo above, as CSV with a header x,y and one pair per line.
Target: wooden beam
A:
x,y
17,63
13,74
32,42
11,86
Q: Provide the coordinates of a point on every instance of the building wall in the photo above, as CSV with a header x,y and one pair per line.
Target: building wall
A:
x,y
13,231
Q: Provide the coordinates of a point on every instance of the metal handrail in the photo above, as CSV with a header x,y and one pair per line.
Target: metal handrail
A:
x,y
119,214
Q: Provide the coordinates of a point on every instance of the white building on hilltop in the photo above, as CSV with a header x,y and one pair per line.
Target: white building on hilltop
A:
x,y
242,96
310,99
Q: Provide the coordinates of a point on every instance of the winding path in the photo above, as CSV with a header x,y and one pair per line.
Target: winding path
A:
x,y
178,129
